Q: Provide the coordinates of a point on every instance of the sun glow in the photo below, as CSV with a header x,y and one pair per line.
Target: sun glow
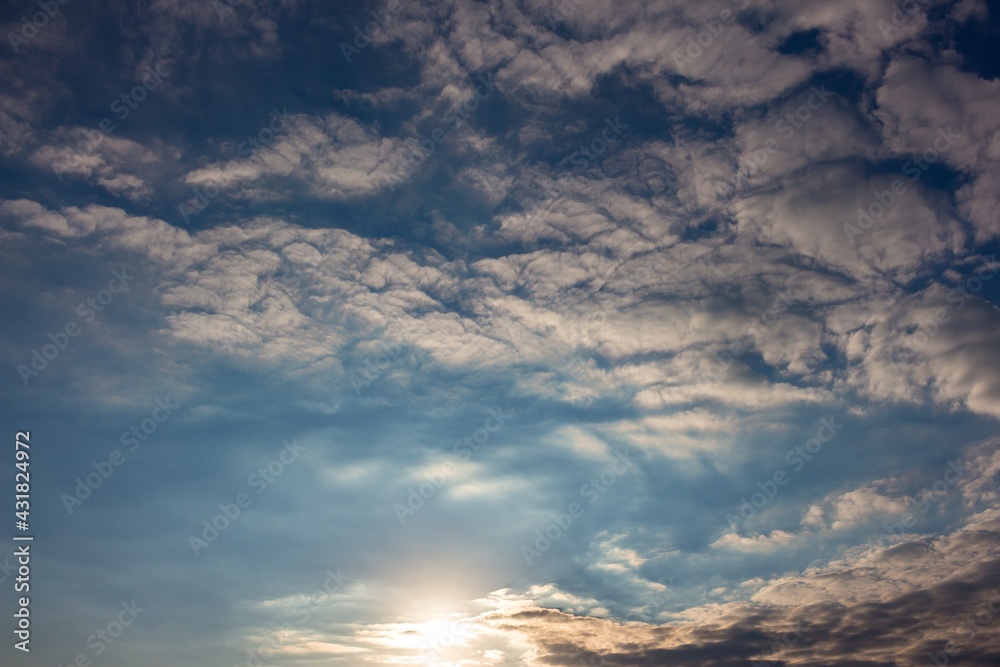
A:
x,y
446,640
441,630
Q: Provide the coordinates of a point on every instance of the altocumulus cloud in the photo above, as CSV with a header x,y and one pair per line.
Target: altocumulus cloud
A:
x,y
684,235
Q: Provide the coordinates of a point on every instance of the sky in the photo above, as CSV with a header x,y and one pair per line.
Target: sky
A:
x,y
502,333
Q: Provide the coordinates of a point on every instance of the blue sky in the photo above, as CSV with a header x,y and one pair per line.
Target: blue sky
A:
x,y
504,333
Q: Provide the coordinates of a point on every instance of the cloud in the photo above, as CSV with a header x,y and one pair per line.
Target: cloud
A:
x,y
114,163
681,232
333,157
891,605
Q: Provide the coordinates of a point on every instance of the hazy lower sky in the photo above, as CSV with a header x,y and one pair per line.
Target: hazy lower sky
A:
x,y
541,333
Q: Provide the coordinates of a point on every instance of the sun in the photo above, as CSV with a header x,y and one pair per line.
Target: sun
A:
x,y
444,627
443,637
444,640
